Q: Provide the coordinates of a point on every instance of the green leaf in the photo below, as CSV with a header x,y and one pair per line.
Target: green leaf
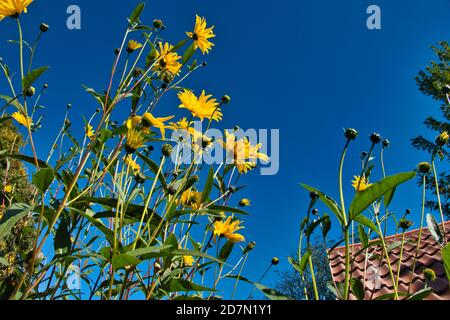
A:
x,y
30,78
182,285
326,225
363,235
434,229
328,201
218,208
388,197
357,288
136,14
362,219
124,260
12,216
226,250
26,159
62,241
188,53
421,294
154,168
304,261
364,199
208,185
271,293
446,260
43,179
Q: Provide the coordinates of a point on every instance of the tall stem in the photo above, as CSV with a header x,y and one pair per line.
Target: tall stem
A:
x,y
346,230
436,184
420,233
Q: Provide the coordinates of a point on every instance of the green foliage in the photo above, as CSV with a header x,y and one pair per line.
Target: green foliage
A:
x,y
434,81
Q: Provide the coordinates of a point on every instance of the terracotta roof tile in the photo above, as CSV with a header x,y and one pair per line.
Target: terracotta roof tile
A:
x,y
376,273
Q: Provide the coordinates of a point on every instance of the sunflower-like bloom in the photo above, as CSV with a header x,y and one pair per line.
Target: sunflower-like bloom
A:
x,y
201,107
11,8
135,140
8,188
133,46
27,122
132,163
360,183
188,261
191,198
228,230
201,35
148,120
89,130
182,124
168,60
244,154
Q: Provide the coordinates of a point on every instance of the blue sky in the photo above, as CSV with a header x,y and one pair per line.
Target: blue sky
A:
x,y
308,68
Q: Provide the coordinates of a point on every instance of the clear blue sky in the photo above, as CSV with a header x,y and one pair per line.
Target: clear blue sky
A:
x,y
309,68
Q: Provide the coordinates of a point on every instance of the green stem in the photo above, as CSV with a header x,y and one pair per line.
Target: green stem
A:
x,y
346,230
400,259
436,184
383,243
313,278
420,233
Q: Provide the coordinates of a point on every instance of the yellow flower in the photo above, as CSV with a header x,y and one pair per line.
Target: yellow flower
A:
x,y
20,118
132,163
201,107
188,261
191,198
243,153
182,124
201,35
8,188
360,184
228,230
89,131
168,61
135,140
148,120
10,8
133,122
133,46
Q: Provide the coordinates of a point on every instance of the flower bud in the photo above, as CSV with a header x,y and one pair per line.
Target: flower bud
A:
x,y
226,99
315,211
45,85
250,246
313,195
232,189
167,150
351,133
30,92
43,27
116,51
375,138
140,178
244,203
386,143
405,224
429,274
424,167
137,72
442,139
275,261
158,24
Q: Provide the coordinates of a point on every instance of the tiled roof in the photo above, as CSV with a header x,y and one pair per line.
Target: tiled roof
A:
x,y
375,273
